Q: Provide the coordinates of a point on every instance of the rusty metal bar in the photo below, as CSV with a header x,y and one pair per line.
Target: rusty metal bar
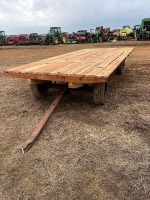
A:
x,y
25,146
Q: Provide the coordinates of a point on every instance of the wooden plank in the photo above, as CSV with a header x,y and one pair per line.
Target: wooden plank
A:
x,y
81,65
69,79
88,66
105,72
50,69
126,52
104,64
41,63
76,66
82,60
52,65
46,61
84,66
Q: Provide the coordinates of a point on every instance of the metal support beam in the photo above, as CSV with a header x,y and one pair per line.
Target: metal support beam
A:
x,y
25,146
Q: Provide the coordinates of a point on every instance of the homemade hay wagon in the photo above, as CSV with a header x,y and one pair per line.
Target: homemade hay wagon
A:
x,y
88,66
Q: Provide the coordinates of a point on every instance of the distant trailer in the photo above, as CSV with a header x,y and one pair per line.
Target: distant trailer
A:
x,y
88,66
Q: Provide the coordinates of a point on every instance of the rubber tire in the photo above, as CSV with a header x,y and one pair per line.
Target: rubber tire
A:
x,y
55,41
100,40
64,39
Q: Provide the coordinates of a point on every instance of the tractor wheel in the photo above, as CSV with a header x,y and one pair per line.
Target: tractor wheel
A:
x,y
100,39
134,35
143,36
18,44
64,39
3,42
89,40
55,41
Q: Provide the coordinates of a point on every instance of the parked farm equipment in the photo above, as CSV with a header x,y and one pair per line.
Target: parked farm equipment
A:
x,y
24,39
34,38
136,30
126,33
55,36
42,38
96,36
71,38
83,36
100,34
113,34
31,39
103,33
12,40
2,37
143,32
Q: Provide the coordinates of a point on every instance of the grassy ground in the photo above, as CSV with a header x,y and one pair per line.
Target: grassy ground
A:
x,y
86,152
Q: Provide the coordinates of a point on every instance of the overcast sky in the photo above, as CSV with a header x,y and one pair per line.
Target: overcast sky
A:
x,y
27,16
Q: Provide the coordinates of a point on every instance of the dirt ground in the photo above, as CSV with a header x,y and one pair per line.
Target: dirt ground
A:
x,y
85,152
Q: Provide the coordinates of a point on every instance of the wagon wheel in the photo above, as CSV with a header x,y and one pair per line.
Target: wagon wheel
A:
x,y
39,90
55,41
99,93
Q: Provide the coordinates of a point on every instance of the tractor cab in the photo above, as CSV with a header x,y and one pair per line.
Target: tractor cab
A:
x,y
2,37
136,30
146,24
92,31
33,35
99,28
126,26
55,30
136,27
145,29
55,36
82,32
2,33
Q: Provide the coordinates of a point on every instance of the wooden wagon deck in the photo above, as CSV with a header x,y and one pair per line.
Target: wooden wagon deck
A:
x,y
84,66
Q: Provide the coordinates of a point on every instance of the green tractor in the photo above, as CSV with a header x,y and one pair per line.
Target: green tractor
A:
x,y
95,35
143,33
55,36
100,34
35,38
2,37
136,30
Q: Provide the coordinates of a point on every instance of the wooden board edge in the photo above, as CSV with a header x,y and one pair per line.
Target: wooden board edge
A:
x,y
68,79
